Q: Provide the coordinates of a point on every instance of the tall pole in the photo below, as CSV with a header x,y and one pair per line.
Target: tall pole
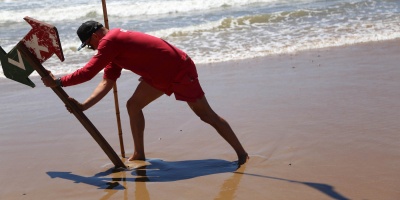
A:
x,y
115,90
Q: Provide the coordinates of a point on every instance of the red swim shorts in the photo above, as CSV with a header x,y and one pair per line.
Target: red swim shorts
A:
x,y
186,85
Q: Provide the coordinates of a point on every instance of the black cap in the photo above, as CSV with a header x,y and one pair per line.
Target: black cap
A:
x,y
86,30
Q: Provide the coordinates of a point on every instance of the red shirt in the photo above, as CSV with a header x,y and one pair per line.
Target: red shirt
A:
x,y
157,61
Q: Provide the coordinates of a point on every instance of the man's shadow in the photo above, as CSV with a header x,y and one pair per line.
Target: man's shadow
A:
x,y
164,171
169,171
156,171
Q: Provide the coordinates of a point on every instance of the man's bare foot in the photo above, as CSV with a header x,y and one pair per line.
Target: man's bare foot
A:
x,y
136,156
242,159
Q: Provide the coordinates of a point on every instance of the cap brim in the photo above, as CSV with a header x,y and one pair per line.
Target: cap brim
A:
x,y
82,45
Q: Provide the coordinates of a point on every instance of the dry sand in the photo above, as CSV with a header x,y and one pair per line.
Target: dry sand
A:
x,y
320,124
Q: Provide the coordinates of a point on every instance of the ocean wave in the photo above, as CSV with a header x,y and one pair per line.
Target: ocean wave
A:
x,y
233,38
51,11
229,32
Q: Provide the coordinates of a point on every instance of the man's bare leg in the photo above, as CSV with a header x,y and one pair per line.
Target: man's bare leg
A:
x,y
143,95
206,114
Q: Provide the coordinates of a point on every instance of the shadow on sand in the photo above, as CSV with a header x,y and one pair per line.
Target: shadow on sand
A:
x,y
165,171
156,171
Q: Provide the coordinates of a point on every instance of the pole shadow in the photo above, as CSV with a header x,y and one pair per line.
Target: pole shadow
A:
x,y
328,190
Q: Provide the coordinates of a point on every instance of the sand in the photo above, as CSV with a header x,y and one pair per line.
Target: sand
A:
x,y
321,124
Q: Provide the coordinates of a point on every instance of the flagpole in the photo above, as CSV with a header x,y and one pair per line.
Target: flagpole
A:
x,y
121,140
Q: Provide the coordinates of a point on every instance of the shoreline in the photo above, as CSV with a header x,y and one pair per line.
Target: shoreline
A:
x,y
319,124
396,40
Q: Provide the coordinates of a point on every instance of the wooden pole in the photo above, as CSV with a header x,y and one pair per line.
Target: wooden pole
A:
x,y
115,90
35,63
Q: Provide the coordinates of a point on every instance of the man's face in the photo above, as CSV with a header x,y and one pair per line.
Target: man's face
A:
x,y
89,43
94,40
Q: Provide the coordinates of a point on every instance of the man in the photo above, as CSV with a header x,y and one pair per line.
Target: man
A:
x,y
163,69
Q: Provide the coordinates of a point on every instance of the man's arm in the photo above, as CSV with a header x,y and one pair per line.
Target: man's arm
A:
x,y
101,90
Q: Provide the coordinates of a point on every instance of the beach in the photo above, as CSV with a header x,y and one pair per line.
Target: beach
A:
x,y
317,124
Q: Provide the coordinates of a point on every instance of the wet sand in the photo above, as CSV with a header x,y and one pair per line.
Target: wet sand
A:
x,y
320,124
